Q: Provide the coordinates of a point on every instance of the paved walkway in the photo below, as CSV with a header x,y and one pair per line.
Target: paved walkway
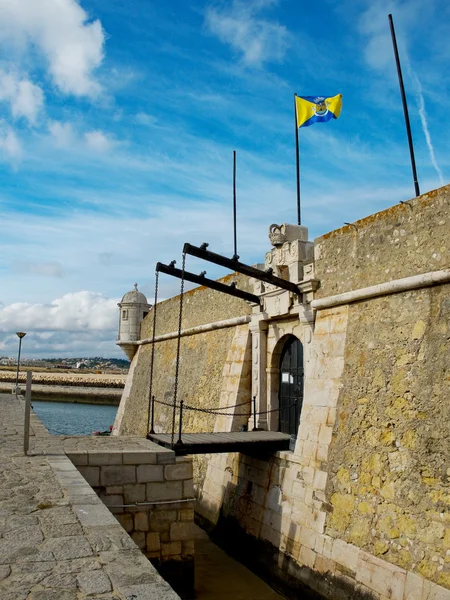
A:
x,y
57,540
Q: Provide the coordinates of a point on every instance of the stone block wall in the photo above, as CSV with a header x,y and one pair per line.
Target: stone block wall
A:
x,y
273,515
151,495
404,240
388,467
203,359
360,509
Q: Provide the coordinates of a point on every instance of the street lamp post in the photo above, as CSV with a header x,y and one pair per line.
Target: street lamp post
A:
x,y
20,335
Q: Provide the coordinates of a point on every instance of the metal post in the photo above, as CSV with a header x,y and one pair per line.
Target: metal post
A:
x,y
254,413
20,335
180,441
405,106
297,161
152,429
26,428
235,257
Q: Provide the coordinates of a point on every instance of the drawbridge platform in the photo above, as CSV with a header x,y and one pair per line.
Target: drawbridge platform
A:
x,y
245,442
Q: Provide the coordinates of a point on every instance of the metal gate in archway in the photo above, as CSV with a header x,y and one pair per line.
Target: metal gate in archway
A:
x,y
291,386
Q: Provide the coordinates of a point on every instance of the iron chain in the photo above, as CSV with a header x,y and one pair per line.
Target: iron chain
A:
x,y
152,360
177,367
218,411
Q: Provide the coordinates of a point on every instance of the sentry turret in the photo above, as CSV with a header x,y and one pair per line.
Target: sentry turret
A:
x,y
133,310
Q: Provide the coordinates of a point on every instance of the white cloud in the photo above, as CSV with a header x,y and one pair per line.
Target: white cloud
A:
x,y
145,119
60,30
56,344
97,140
62,133
77,324
9,143
24,97
256,39
374,27
29,101
65,135
77,311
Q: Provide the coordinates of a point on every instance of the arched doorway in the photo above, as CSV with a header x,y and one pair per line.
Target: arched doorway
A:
x,y
291,385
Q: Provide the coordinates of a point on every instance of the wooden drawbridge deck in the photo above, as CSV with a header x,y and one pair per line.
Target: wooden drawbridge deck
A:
x,y
245,442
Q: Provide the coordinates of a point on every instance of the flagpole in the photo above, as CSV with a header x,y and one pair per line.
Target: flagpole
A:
x,y
235,256
297,161
405,106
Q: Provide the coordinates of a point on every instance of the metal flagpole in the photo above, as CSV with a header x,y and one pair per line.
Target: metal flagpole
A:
x,y
235,257
297,157
405,106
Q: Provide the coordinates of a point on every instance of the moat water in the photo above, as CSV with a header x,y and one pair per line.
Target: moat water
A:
x,y
217,575
67,418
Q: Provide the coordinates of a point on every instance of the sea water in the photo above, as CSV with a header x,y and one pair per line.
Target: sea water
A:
x,y
68,418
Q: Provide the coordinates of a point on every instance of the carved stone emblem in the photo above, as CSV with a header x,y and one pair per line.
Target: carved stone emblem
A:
x,y
276,236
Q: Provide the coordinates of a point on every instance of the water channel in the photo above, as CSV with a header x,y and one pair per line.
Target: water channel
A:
x,y
217,575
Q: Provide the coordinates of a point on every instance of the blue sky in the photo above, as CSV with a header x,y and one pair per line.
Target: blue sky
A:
x,y
118,121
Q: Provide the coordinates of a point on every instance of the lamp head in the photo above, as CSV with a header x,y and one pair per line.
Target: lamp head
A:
x,y
20,334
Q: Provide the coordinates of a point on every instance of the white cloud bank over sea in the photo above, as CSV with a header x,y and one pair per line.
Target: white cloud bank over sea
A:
x,y
72,325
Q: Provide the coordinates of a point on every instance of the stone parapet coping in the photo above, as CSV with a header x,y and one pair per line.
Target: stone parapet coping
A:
x,y
233,322
384,289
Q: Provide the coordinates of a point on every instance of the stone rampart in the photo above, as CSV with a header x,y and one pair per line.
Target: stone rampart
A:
x,y
360,508
214,365
389,460
404,240
202,359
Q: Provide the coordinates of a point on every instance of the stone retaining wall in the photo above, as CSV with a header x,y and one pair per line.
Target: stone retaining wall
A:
x,y
151,495
270,515
361,506
59,393
388,468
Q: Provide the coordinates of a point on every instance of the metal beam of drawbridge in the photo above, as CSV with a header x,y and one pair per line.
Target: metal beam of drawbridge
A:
x,y
231,290
236,265
256,443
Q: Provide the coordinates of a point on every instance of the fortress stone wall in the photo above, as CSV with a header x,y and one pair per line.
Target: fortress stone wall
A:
x,y
360,508
214,366
404,240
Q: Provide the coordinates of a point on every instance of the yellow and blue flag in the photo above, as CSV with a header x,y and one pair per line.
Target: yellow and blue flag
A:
x,y
317,109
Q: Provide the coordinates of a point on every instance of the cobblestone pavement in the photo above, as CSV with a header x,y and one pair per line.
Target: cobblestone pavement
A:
x,y
57,540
